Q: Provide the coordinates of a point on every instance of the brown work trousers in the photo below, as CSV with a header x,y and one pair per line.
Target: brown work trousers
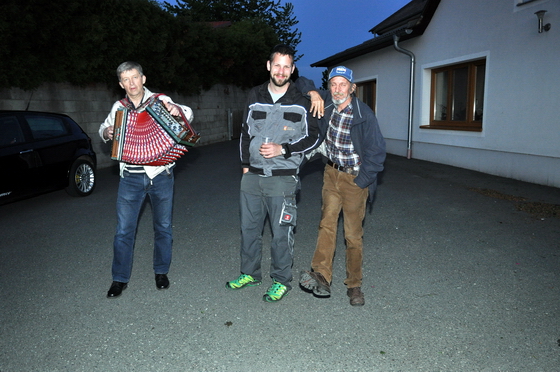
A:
x,y
341,193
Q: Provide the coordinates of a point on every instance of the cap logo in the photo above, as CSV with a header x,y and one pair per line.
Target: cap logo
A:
x,y
341,71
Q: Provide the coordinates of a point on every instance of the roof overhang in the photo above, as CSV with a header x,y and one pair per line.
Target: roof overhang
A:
x,y
408,22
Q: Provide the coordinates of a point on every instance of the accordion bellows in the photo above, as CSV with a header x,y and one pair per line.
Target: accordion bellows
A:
x,y
143,138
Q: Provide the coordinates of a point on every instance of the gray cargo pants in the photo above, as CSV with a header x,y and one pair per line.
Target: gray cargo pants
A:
x,y
276,197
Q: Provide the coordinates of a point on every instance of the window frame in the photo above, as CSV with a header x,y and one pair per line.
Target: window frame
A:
x,y
470,123
11,132
524,2
372,103
45,127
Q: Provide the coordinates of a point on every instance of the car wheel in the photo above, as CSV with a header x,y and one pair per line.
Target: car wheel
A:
x,y
81,179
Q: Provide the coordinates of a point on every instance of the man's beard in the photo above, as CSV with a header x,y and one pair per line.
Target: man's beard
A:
x,y
339,101
280,83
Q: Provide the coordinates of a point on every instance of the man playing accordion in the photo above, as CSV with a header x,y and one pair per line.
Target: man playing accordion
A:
x,y
154,179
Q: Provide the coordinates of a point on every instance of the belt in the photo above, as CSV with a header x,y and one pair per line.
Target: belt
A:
x,y
275,172
134,168
350,170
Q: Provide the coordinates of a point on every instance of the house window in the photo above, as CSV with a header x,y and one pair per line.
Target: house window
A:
x,y
457,100
366,92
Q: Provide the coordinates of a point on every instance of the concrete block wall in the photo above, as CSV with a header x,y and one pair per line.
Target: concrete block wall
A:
x,y
211,111
89,107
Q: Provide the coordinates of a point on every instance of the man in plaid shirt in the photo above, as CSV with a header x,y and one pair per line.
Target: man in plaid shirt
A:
x,y
355,151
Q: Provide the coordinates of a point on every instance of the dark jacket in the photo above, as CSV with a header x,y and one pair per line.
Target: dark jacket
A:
x,y
364,131
287,122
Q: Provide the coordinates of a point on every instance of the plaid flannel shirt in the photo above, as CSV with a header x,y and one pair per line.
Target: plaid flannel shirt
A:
x,y
340,149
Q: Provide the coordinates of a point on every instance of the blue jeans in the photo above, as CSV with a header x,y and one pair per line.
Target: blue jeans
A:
x,y
133,189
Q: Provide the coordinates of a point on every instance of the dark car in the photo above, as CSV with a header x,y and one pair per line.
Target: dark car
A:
x,y
41,152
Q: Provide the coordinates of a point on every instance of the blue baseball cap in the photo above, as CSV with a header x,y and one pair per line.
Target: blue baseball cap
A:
x,y
341,71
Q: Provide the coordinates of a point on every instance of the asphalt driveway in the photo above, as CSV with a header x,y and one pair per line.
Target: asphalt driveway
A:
x,y
461,273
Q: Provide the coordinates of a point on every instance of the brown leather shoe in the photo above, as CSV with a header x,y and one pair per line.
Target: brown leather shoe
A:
x,y
356,296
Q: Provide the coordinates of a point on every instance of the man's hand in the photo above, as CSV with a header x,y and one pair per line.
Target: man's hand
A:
x,y
317,104
108,132
173,109
270,150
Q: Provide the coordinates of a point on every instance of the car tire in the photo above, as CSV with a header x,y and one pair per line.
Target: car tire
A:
x,y
81,178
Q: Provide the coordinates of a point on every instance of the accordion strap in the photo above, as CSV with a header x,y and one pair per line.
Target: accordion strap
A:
x,y
130,106
126,103
187,124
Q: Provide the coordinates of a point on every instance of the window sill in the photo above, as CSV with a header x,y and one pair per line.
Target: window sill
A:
x,y
525,2
446,127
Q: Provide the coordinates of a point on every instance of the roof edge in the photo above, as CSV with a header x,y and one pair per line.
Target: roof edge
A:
x,y
408,22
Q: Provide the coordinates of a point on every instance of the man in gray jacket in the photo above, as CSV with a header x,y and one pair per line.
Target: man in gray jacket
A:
x,y
277,130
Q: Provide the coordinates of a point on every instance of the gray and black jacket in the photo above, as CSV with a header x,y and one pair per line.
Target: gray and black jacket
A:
x,y
286,122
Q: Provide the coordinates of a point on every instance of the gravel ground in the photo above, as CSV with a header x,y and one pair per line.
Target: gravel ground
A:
x,y
461,273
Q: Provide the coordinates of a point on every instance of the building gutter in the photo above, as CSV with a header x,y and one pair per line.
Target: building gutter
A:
x,y
396,39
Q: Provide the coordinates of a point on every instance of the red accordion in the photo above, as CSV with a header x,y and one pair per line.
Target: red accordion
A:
x,y
151,137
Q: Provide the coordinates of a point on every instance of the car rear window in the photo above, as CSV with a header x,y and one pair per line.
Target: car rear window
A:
x,y
10,131
43,127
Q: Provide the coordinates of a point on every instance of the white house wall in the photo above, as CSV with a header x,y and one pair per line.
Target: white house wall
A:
x,y
521,125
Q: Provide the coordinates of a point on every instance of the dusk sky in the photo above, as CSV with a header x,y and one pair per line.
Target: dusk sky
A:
x,y
332,26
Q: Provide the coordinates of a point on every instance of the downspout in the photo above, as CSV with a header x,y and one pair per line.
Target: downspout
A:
x,y
411,97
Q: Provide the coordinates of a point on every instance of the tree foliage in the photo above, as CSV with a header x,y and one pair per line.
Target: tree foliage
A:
x,y
268,12
82,42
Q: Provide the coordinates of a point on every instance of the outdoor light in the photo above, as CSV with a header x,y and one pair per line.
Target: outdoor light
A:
x,y
542,26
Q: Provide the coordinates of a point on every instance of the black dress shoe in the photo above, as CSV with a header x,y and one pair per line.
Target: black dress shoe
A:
x,y
161,281
116,289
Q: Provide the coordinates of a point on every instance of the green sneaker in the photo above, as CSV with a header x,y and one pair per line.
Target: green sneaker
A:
x,y
276,292
242,281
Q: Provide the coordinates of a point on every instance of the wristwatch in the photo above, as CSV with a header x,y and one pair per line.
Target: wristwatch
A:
x,y
283,150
